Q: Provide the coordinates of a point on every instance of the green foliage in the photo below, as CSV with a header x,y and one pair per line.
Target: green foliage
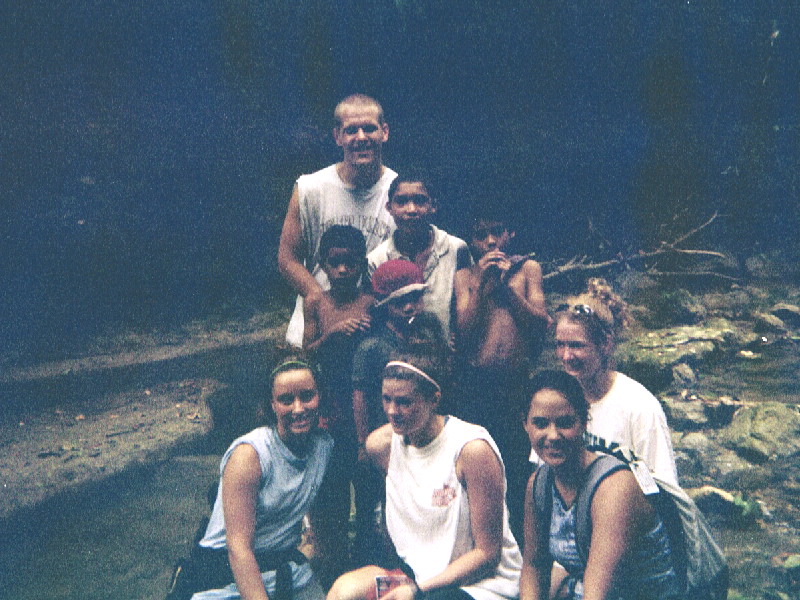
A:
x,y
745,511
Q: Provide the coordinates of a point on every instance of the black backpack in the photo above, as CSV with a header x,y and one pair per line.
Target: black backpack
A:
x,y
697,559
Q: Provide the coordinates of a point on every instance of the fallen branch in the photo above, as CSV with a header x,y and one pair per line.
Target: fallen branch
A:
x,y
582,264
692,274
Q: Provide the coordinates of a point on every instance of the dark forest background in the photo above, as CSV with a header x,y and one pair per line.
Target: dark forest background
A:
x,y
148,149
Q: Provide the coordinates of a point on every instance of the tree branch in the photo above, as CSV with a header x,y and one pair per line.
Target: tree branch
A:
x,y
582,264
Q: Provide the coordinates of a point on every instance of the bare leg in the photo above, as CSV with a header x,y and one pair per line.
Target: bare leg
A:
x,y
557,577
356,585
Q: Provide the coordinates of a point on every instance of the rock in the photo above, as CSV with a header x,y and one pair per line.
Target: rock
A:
x,y
696,441
748,477
726,466
763,432
693,452
689,411
685,411
650,356
720,411
787,313
712,500
683,375
768,323
734,509
734,304
674,307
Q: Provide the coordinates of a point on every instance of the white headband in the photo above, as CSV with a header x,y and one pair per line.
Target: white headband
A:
x,y
420,372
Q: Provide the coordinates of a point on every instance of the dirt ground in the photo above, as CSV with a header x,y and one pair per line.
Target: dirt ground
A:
x,y
48,447
50,451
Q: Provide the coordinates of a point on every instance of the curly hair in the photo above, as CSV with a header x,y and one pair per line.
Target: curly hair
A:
x,y
607,315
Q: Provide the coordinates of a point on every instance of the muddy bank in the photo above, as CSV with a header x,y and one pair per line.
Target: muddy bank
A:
x,y
70,425
47,453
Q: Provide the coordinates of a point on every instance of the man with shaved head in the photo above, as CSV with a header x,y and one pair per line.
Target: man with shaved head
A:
x,y
350,192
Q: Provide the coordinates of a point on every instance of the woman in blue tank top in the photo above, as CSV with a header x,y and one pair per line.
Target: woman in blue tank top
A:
x,y
628,553
269,481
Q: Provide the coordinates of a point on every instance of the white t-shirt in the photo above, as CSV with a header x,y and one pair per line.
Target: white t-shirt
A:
x,y
427,511
326,200
631,416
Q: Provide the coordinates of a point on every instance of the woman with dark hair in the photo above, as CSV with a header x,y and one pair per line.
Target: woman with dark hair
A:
x,y
629,555
269,480
445,511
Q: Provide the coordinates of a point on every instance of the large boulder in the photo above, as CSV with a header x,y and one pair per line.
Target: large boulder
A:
x,y
764,432
769,323
787,313
651,356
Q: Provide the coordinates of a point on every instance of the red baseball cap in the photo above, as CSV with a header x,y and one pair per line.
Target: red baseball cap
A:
x,y
396,278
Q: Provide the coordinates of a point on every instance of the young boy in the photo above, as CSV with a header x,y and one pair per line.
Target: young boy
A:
x,y
334,325
438,254
343,311
502,321
399,327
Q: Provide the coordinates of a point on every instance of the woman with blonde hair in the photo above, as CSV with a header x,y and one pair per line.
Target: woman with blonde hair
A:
x,y
621,411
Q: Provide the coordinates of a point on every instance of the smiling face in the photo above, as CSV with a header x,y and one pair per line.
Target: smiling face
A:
x,y
295,402
411,207
554,428
410,413
361,134
580,356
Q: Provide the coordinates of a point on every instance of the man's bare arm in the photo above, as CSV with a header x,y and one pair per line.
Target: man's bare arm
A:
x,y
290,251
471,289
311,329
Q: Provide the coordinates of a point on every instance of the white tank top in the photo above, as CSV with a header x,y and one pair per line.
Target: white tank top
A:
x,y
326,200
427,510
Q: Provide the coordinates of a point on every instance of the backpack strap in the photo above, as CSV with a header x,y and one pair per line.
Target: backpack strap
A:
x,y
601,468
543,502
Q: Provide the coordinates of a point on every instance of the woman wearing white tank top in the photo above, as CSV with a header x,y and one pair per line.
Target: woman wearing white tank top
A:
x,y
445,509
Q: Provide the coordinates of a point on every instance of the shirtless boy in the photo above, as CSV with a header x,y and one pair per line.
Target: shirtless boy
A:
x,y
502,320
344,309
334,323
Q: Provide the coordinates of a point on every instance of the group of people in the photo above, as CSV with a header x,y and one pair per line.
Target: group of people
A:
x,y
411,391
